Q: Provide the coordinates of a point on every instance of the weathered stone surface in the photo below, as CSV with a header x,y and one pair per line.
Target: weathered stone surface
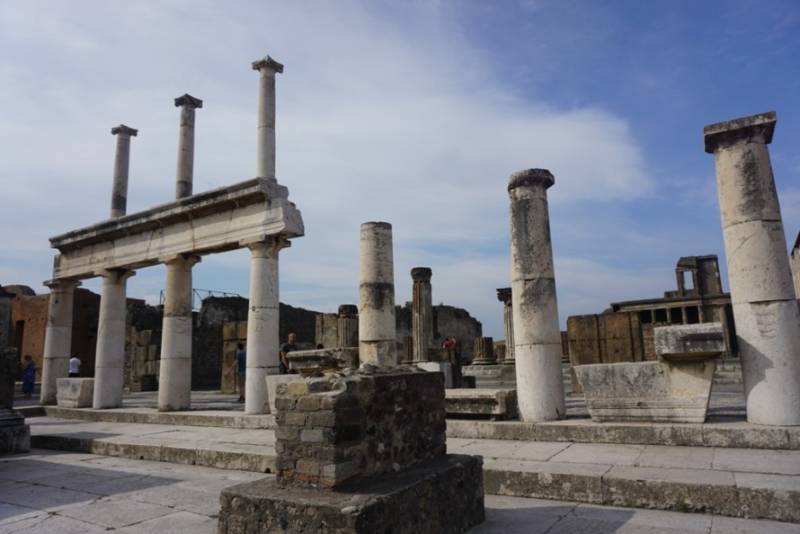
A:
x,y
273,381
14,433
439,367
690,342
485,402
444,495
647,391
75,392
333,358
492,376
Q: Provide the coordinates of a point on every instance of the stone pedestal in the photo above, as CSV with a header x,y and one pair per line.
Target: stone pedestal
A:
x,y
537,338
109,366
75,392
376,320
439,367
175,368
323,359
57,337
360,453
347,325
15,435
421,313
492,376
762,292
486,403
263,323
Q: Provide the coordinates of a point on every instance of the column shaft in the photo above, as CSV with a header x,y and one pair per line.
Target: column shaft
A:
x,y
57,337
504,296
263,324
762,293
421,313
265,147
122,156
376,318
109,366
185,169
347,325
175,367
537,339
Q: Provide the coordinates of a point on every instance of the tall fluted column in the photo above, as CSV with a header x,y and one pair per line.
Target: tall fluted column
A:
x,y
421,313
376,320
762,292
537,339
347,325
184,174
57,337
119,190
263,323
265,148
504,296
175,367
109,363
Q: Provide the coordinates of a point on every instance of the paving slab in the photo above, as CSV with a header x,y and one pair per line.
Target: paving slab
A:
x,y
678,457
600,453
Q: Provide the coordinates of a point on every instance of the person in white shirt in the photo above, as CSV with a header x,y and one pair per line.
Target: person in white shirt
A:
x,y
74,367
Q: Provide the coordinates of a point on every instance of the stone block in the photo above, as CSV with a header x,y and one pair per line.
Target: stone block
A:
x,y
647,391
273,381
439,367
15,438
333,358
481,403
74,392
689,342
492,376
444,495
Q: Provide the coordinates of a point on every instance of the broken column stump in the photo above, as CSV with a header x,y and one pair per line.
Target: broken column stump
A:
x,y
361,452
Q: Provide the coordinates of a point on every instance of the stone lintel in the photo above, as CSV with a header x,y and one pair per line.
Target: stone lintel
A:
x,y
269,63
531,178
189,101
124,130
504,294
421,274
758,128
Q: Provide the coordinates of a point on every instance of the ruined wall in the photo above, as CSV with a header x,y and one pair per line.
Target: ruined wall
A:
x,y
606,338
207,338
142,346
327,330
447,321
29,322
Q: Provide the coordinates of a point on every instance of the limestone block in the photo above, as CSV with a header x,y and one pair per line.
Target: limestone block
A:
x,y
324,358
75,392
689,341
647,391
492,376
481,403
272,386
439,367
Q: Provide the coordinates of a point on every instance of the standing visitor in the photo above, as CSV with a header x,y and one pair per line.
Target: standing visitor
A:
x,y
74,367
286,348
241,369
28,376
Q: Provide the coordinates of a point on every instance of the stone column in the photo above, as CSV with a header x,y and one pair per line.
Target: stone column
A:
x,y
119,190
762,293
504,296
265,148
263,323
537,338
376,321
175,367
347,325
483,351
421,313
185,172
109,363
57,337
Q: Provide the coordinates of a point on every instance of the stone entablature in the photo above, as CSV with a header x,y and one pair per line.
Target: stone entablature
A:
x,y
222,219
344,426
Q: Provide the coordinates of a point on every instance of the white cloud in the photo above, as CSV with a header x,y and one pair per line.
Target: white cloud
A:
x,y
380,117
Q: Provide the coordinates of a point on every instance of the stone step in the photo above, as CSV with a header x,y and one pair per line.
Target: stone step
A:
x,y
213,418
744,483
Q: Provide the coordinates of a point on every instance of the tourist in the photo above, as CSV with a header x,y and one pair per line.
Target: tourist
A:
x,y
241,369
28,376
286,348
449,343
74,366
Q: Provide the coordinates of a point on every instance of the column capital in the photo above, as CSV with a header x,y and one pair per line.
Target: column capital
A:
x,y
267,64
187,100
61,284
120,275
504,295
531,178
190,259
753,129
421,274
348,310
269,246
124,130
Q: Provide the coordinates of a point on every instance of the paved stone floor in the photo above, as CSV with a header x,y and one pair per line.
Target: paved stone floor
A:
x,y
51,492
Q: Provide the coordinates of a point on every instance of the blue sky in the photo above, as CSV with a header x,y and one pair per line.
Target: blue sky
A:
x,y
414,113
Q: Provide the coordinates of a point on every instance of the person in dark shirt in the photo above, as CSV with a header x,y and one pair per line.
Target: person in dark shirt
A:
x,y
286,348
241,369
